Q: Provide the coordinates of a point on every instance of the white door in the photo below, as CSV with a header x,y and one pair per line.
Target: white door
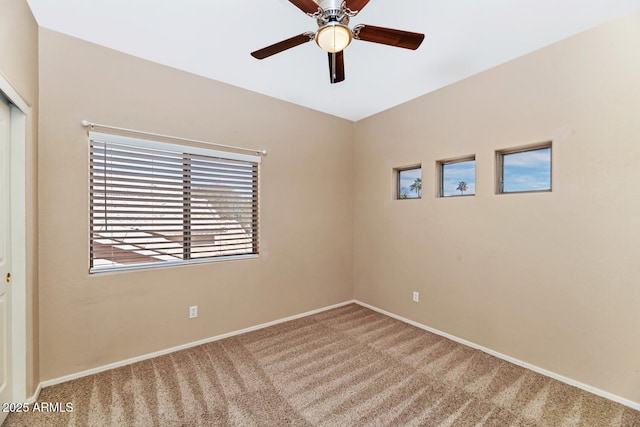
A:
x,y
6,388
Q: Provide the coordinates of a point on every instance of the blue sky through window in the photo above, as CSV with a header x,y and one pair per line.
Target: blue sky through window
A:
x,y
454,173
527,171
407,180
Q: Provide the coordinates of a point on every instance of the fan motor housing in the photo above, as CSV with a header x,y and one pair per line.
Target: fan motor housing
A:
x,y
333,11
330,4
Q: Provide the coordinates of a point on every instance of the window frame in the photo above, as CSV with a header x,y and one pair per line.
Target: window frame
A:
x,y
440,164
186,151
398,186
500,154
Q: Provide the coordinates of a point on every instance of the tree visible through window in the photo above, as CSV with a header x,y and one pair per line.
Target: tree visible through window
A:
x,y
409,183
158,203
458,177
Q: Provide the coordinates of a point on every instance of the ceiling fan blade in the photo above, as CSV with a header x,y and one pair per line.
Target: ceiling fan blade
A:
x,y
307,6
294,41
388,36
336,67
356,5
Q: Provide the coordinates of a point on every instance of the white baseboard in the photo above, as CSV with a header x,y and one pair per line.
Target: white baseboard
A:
x,y
70,377
35,395
615,398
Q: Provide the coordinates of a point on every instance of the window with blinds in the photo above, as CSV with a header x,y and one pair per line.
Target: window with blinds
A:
x,y
154,203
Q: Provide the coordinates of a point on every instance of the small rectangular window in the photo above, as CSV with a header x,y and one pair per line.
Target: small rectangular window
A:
x,y
457,177
524,170
409,183
154,203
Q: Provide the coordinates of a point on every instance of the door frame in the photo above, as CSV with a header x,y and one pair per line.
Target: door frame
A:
x,y
20,110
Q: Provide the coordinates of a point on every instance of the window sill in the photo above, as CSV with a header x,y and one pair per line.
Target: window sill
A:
x,y
168,264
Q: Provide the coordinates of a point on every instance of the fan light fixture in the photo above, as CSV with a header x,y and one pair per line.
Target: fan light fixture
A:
x,y
333,34
333,37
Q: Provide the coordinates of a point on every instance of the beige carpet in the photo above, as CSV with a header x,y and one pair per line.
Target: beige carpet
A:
x,y
348,366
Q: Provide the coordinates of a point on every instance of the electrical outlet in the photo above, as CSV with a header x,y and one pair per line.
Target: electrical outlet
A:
x,y
193,311
416,296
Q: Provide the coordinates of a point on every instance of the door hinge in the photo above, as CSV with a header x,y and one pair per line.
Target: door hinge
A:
x,y
8,278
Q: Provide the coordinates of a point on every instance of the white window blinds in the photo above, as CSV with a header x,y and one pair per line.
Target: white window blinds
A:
x,y
155,203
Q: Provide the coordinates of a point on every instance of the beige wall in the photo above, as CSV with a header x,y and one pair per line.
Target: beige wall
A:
x,y
19,66
19,48
552,279
306,242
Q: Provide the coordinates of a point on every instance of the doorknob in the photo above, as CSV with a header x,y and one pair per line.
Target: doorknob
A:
x,y
8,278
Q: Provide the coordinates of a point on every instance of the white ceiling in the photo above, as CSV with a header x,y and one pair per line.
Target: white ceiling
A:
x,y
213,38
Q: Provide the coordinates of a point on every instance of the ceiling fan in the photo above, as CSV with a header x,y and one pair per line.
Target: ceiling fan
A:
x,y
334,35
